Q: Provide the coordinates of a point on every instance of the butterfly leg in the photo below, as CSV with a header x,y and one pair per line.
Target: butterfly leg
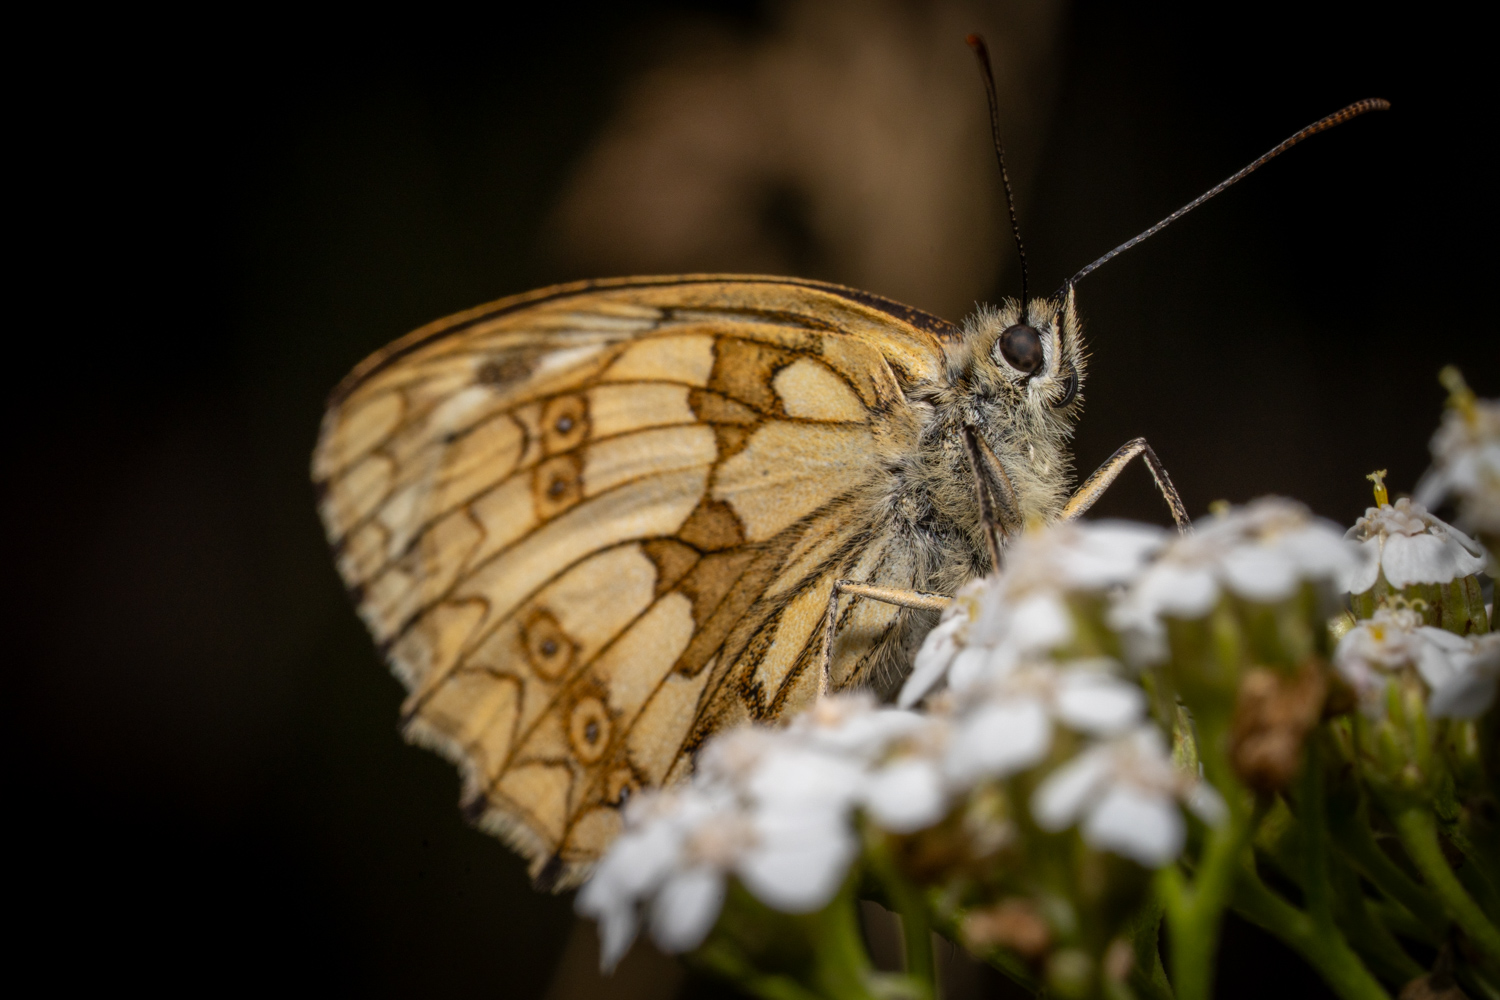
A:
x,y
916,599
1107,473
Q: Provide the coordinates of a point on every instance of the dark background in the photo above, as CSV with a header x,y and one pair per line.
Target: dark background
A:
x,y
206,786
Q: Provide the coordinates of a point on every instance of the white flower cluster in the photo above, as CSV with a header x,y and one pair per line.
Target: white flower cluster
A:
x,y
770,807
1410,546
1260,552
994,624
996,649
1466,464
1460,672
1002,691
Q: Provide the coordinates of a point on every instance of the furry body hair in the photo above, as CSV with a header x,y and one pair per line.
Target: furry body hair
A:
x,y
928,502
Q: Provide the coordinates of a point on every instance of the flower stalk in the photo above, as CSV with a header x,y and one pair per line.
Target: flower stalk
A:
x,y
1417,828
1334,960
1194,906
908,903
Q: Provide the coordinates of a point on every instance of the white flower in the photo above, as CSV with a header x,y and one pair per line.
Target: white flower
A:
x,y
895,751
1370,652
906,795
938,650
1463,686
1126,792
1010,728
855,724
650,853
995,622
1262,552
800,857
797,798
1460,672
1466,463
768,807
1411,546
1080,555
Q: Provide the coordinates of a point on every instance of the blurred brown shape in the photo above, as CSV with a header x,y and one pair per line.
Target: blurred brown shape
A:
x,y
849,143
1014,924
1433,987
1272,715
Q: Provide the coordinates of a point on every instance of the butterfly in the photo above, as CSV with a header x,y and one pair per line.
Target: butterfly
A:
x,y
591,525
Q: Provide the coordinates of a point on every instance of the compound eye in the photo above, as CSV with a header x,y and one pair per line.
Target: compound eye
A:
x,y
1021,347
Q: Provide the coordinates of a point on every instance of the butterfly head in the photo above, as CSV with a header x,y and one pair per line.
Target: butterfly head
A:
x,y
1032,363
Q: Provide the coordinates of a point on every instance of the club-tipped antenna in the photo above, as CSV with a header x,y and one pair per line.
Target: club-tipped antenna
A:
x,y
1337,118
982,53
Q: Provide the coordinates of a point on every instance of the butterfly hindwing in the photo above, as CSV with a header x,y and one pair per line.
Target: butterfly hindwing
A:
x,y
591,525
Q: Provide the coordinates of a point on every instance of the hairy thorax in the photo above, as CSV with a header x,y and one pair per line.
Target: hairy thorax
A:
x,y
1026,420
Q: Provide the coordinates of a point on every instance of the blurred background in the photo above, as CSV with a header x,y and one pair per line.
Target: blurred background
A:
x,y
207,790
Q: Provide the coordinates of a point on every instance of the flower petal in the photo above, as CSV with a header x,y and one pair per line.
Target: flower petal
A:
x,y
617,926
1058,801
686,908
1040,623
1107,553
1207,804
1098,703
906,796
999,739
1142,826
799,866
1179,591
1319,551
1366,569
1467,696
968,666
794,776
1260,574
1410,559
932,661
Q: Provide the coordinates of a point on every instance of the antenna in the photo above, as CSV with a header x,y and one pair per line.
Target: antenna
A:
x,y
982,52
1337,118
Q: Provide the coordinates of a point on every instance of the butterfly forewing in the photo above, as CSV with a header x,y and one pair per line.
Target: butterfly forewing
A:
x,y
591,525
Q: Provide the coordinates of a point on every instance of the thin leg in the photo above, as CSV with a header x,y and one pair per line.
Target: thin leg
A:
x,y
886,595
1100,481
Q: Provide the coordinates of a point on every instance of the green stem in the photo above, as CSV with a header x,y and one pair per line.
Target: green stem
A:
x,y
1379,948
1194,911
1398,920
916,923
916,929
1478,983
1354,838
1340,968
1283,841
1474,874
1312,821
1319,872
726,962
842,969
1147,976
1417,828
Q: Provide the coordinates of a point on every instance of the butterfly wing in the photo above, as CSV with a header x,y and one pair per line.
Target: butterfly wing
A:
x,y
590,525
